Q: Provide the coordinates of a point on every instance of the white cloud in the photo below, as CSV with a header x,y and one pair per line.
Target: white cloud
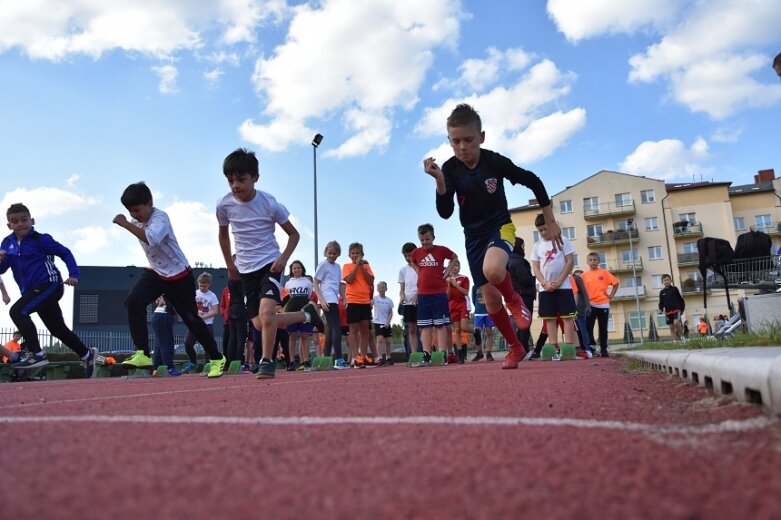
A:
x,y
667,159
72,180
45,201
578,20
372,129
477,74
213,76
369,57
196,227
520,120
168,75
727,134
90,240
241,17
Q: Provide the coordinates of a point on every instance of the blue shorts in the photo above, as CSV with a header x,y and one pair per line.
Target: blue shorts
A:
x,y
558,303
433,310
483,321
476,247
305,328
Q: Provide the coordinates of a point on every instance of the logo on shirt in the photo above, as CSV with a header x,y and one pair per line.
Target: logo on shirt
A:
x,y
490,184
429,261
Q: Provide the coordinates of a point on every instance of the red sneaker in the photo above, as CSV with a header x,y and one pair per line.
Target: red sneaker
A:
x,y
521,314
514,357
452,358
581,354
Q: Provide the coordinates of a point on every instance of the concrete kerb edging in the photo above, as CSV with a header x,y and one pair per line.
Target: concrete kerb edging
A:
x,y
751,374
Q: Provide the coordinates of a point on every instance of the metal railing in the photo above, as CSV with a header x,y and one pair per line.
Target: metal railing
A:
x,y
608,209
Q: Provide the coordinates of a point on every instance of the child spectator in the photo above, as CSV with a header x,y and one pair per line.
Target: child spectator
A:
x,y
383,314
252,216
359,281
476,178
408,296
583,310
457,291
12,348
169,273
300,290
702,327
163,326
30,256
601,286
552,268
328,287
523,283
671,303
433,312
208,308
686,329
483,323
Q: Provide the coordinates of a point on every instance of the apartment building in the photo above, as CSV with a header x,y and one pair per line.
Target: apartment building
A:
x,y
642,228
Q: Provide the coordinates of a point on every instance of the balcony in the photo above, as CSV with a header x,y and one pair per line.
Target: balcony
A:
x,y
685,229
628,293
624,266
771,228
688,259
690,286
608,209
612,238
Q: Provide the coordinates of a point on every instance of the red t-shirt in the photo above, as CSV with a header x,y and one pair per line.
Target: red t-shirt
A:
x,y
455,296
430,264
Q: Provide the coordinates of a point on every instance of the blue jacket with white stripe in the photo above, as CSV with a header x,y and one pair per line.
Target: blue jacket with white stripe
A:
x,y
32,260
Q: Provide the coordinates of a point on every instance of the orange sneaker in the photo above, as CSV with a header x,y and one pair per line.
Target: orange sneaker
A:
x,y
359,362
521,314
515,356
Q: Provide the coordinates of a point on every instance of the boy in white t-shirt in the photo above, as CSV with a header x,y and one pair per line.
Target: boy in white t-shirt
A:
x,y
252,216
208,307
383,314
552,267
168,272
408,296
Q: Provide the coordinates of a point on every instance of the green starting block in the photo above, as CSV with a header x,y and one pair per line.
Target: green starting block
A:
x,y
322,363
142,372
568,352
548,352
438,359
235,367
161,371
414,359
206,368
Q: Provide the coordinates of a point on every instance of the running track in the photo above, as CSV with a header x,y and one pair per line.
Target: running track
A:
x,y
577,439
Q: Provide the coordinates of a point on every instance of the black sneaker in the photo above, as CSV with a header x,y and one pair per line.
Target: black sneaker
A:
x,y
266,369
89,364
314,316
290,367
479,355
604,353
33,361
535,355
489,356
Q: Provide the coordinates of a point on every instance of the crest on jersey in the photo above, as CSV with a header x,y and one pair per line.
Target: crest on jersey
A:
x,y
490,184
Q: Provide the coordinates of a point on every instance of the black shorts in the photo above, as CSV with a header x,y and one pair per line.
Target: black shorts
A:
x,y
558,303
410,314
672,316
358,312
477,246
260,284
384,331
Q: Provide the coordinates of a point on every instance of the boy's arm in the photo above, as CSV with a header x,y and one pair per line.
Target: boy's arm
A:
x,y
292,241
368,274
661,300
214,310
569,262
613,289
6,298
343,293
444,193
401,292
51,246
138,232
350,278
223,237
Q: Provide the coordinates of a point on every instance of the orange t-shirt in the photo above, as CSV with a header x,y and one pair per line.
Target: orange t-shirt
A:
x,y
13,346
597,283
360,290
702,327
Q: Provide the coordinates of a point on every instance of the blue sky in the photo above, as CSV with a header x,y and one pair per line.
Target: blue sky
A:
x,y
96,95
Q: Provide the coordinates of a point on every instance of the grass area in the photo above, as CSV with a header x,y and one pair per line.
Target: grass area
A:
x,y
769,336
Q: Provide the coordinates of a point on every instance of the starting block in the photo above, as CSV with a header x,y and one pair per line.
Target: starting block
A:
x,y
414,359
438,359
235,367
548,353
206,368
161,371
322,363
568,352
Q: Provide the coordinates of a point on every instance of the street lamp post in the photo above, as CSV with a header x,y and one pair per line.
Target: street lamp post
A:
x,y
630,223
315,143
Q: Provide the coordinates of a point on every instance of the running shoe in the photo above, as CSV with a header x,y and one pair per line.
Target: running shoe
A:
x,y
381,362
314,316
479,355
174,372
582,354
452,358
514,357
604,353
266,369
217,367
521,314
88,364
189,367
489,356
341,364
33,361
290,367
138,360
358,362
535,355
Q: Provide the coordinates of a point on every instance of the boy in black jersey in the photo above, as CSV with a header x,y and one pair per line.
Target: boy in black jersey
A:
x,y
476,177
671,303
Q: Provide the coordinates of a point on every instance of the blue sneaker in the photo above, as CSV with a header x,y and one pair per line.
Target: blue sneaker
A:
x,y
189,367
173,372
341,364
88,364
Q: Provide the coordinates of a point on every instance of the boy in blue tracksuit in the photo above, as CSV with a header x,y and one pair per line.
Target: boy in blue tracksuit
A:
x,y
30,255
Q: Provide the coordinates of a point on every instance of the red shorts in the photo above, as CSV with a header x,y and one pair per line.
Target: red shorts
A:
x,y
458,311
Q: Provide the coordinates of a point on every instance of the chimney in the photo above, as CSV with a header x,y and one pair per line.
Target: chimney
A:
x,y
765,176
533,202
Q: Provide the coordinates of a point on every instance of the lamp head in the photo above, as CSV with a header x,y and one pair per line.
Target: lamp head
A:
x,y
317,140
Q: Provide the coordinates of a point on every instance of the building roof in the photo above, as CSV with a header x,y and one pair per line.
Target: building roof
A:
x,y
681,186
748,189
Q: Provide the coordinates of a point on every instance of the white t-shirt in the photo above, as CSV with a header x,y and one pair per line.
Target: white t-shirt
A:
x,y
300,291
253,224
205,301
383,309
162,250
409,277
329,276
552,262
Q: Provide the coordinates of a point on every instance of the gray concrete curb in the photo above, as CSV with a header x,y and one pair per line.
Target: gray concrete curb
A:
x,y
751,374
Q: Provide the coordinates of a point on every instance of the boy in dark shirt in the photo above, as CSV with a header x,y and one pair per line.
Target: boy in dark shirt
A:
x,y
672,305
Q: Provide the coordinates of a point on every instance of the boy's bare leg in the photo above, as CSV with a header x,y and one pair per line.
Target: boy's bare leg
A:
x,y
443,338
570,336
412,331
553,332
353,340
426,337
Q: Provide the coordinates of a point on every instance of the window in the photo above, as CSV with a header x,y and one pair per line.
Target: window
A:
x,y
611,324
88,308
634,323
690,247
591,205
568,232
594,230
655,253
632,281
691,218
740,223
565,206
661,321
647,196
652,223
762,222
602,260
624,225
623,199
656,282
536,236
575,261
627,255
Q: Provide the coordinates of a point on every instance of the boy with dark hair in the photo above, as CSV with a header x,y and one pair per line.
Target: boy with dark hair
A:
x,y
671,303
168,273
252,216
597,282
30,255
408,297
476,178
777,64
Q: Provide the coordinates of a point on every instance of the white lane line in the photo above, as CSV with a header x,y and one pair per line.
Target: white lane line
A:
x,y
745,425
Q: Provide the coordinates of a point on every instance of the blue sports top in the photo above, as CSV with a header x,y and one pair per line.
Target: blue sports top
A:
x,y
32,260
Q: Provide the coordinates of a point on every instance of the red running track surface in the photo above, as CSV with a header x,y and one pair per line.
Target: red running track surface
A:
x,y
576,439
